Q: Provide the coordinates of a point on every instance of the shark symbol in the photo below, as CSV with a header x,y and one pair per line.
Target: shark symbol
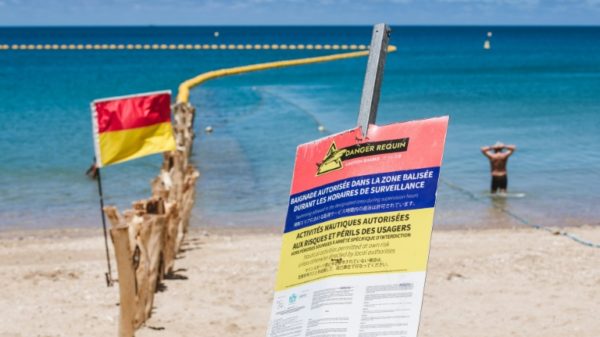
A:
x,y
332,160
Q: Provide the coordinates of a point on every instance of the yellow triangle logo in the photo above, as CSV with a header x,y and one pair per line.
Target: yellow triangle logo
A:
x,y
332,160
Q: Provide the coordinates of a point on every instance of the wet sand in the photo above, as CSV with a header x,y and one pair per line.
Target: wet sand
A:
x,y
495,282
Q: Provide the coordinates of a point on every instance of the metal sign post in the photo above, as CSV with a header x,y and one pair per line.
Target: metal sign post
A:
x,y
372,85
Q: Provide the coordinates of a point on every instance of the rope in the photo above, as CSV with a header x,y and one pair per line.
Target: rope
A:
x,y
311,115
183,95
522,220
163,46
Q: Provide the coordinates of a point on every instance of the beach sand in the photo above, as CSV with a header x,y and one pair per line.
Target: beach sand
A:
x,y
496,282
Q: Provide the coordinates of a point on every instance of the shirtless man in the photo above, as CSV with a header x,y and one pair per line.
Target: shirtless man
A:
x,y
498,158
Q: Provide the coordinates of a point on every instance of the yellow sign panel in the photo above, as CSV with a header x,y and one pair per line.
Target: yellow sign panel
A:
x,y
371,243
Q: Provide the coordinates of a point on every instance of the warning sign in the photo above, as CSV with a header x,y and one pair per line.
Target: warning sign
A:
x,y
357,233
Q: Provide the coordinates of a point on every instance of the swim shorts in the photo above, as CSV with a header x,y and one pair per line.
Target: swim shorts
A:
x,y
499,182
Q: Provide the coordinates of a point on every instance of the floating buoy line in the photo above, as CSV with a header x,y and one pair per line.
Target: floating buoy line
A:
x,y
164,46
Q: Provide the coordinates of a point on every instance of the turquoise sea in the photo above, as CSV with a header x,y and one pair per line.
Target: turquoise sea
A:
x,y
538,88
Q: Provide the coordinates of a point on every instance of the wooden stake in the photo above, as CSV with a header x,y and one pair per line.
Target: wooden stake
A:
x,y
120,236
155,252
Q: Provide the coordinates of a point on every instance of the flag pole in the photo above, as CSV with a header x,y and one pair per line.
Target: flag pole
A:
x,y
108,274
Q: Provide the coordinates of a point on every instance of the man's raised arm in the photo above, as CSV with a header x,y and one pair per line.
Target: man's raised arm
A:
x,y
485,150
511,149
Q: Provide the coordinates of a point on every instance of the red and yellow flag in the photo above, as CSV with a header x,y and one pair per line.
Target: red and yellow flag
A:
x,y
130,127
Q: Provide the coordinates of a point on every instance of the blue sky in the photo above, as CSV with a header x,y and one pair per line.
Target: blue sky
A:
x,y
298,12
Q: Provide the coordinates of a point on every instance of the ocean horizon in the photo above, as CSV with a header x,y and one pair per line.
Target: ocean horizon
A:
x,y
538,87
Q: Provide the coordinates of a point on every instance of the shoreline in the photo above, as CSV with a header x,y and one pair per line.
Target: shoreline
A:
x,y
492,282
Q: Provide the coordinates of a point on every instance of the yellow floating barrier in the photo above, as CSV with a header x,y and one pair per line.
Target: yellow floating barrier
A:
x,y
183,94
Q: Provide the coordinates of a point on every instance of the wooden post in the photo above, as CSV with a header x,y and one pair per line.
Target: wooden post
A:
x,y
155,252
187,203
372,85
142,273
173,218
120,236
